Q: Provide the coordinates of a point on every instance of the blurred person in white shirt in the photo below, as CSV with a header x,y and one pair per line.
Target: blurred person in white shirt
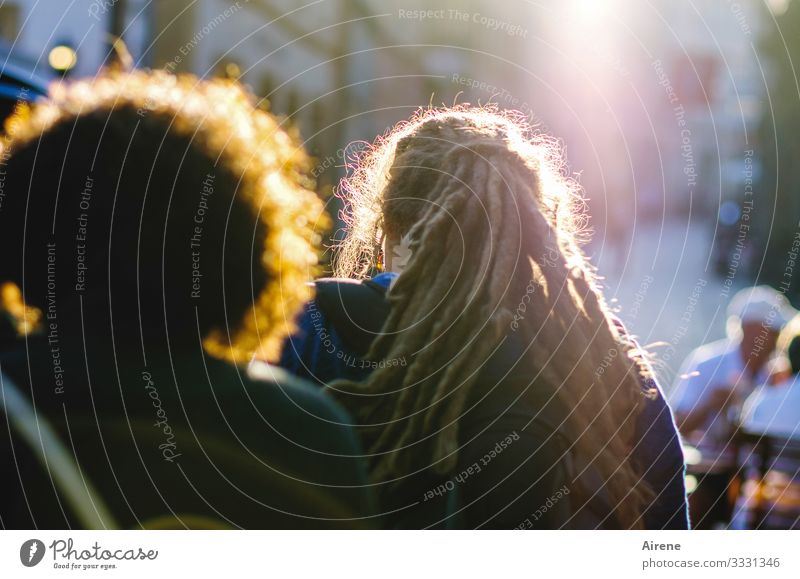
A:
x,y
771,492
774,408
711,387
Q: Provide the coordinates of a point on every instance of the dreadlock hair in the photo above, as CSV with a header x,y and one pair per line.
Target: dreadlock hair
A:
x,y
492,220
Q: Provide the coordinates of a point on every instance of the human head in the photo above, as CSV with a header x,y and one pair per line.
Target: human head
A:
x,y
793,353
789,344
164,192
492,231
756,316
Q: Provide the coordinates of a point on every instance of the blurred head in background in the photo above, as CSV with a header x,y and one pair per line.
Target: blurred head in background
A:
x,y
144,200
756,316
788,347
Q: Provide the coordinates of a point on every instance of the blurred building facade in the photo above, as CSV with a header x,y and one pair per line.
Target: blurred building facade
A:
x,y
657,102
343,71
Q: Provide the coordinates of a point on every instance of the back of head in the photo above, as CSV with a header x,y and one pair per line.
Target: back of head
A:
x,y
794,354
760,305
492,226
159,198
789,343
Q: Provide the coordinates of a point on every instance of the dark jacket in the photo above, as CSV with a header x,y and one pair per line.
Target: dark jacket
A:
x,y
532,482
189,441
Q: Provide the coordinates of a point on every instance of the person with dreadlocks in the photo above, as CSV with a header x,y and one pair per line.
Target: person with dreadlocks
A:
x,y
492,385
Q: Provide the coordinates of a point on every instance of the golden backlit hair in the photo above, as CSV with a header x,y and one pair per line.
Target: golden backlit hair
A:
x,y
490,214
269,164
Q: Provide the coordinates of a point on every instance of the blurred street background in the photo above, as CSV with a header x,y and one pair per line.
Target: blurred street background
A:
x,y
679,117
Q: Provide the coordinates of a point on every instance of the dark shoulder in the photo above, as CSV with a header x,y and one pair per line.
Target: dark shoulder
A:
x,y
357,310
274,383
311,430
